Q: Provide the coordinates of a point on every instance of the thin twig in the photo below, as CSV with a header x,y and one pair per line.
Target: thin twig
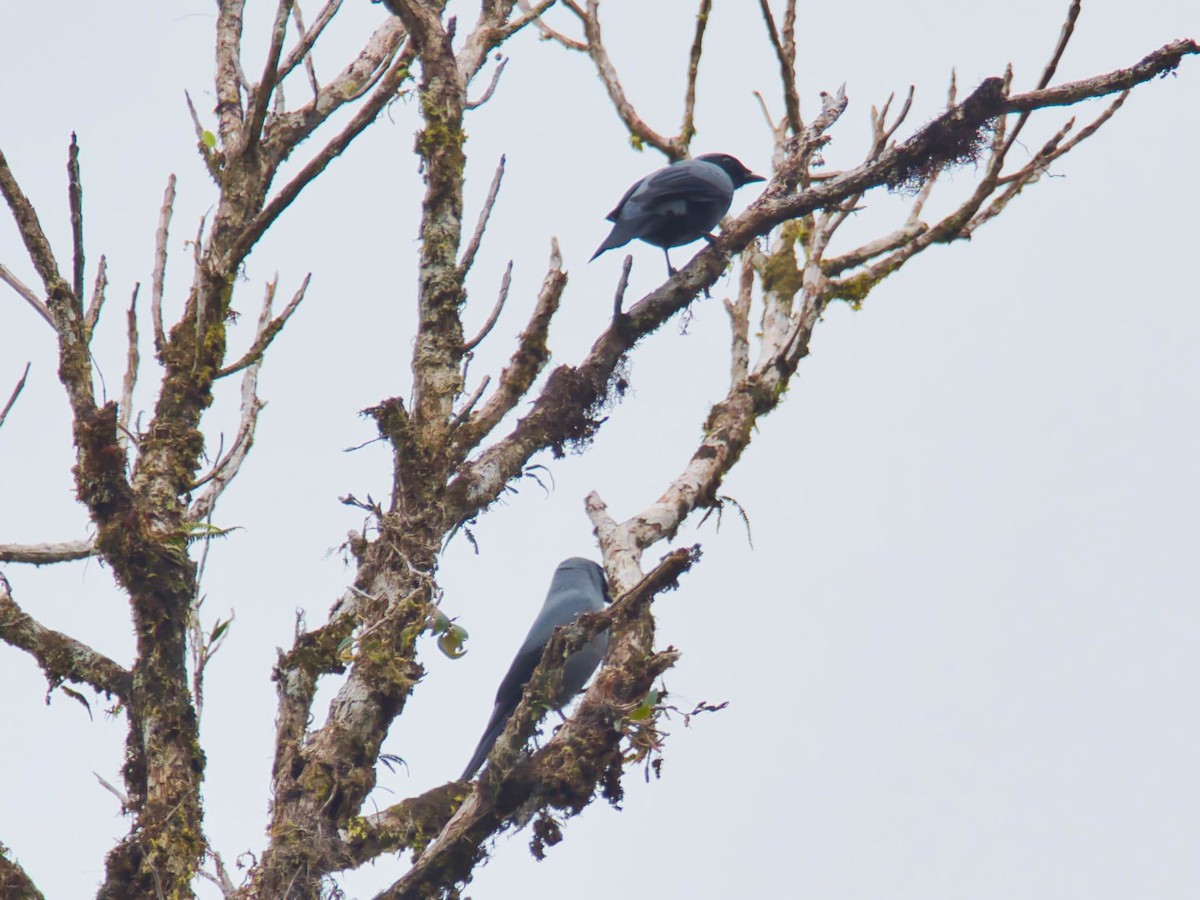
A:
x,y
485,213
1060,47
462,414
266,332
494,315
309,68
303,49
491,88
27,294
14,395
160,262
526,361
547,32
75,202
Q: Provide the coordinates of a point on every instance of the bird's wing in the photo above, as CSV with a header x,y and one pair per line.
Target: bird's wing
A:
x,y
689,180
616,213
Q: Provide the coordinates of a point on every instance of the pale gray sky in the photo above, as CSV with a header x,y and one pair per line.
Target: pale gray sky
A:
x,y
961,657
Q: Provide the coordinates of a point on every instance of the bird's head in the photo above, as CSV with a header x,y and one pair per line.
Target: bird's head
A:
x,y
589,570
732,166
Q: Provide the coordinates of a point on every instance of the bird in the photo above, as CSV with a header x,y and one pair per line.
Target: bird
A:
x,y
578,586
678,204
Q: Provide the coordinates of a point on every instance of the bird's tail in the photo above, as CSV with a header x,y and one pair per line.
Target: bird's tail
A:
x,y
622,233
494,730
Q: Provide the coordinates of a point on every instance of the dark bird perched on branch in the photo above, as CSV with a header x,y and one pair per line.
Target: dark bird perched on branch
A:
x,y
578,586
677,205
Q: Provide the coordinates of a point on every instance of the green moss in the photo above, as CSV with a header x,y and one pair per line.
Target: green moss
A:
x,y
781,273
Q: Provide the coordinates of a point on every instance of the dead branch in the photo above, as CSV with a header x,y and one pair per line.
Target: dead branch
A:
x,y
739,324
491,88
468,257
388,39
494,315
462,414
158,277
16,392
785,53
687,130
622,286
308,38
227,467
75,202
45,554
525,364
267,331
639,129
92,317
310,68
38,248
7,276
125,408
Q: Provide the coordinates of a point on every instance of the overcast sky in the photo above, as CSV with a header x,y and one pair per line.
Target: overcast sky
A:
x,y
961,655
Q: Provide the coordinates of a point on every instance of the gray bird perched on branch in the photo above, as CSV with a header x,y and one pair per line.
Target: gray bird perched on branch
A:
x,y
578,586
678,204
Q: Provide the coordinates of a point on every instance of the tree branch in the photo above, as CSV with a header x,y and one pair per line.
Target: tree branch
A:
x,y
582,754
44,554
61,658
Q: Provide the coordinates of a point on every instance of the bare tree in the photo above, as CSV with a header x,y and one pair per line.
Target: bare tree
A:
x,y
150,498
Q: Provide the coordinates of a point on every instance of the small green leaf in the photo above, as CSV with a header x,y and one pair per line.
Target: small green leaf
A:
x,y
646,707
218,629
209,139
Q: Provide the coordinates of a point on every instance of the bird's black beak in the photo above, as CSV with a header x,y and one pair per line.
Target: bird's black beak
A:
x,y
751,177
